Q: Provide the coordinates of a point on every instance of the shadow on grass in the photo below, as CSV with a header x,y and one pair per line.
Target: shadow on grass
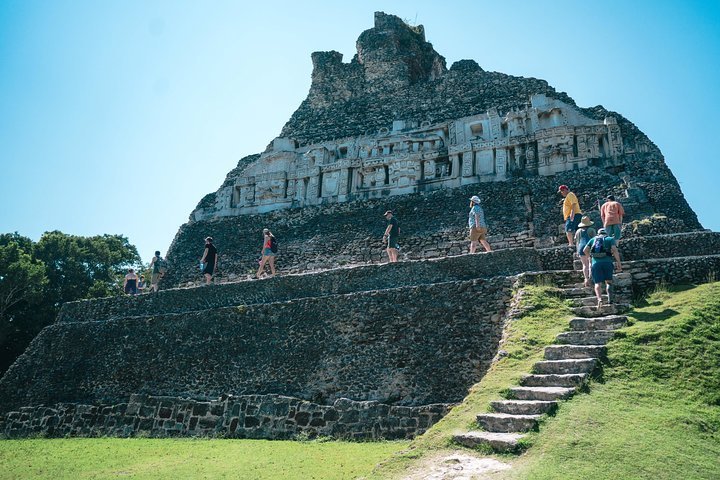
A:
x,y
654,316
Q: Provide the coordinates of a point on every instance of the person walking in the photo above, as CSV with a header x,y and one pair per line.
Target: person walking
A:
x,y
391,235
583,235
571,212
158,268
602,251
612,213
267,252
130,284
477,225
209,260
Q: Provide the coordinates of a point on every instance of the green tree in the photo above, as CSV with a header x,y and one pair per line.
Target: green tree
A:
x,y
22,286
37,278
85,267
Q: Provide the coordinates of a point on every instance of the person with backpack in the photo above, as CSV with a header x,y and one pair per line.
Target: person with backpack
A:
x,y
583,235
158,267
209,260
268,252
602,251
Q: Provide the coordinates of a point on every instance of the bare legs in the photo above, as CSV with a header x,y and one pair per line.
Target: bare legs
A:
x,y
598,292
483,242
392,254
586,269
570,238
266,259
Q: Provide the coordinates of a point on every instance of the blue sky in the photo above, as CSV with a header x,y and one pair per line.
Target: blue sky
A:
x,y
118,116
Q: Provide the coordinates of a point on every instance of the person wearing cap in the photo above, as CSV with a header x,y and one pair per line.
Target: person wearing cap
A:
x,y
571,212
612,213
268,256
477,225
602,250
583,235
392,232
209,260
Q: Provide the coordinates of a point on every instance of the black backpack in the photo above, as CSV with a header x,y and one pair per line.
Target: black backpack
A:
x,y
273,244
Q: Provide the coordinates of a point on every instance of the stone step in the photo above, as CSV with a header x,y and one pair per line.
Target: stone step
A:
x,y
574,365
504,423
541,393
500,442
576,292
566,352
554,380
585,337
602,311
587,301
610,322
523,407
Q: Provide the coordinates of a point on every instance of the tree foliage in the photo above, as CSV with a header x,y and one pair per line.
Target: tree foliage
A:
x,y
37,278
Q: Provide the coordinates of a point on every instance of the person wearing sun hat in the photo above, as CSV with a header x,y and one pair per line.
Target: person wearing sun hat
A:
x,y
583,235
477,225
571,212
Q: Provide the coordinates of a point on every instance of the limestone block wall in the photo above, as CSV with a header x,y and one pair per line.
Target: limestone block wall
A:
x,y
331,282
363,346
247,416
648,274
521,212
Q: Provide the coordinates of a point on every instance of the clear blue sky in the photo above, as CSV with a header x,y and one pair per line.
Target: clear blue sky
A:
x,y
118,116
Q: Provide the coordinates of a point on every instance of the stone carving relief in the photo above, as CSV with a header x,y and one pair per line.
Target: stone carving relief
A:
x,y
546,137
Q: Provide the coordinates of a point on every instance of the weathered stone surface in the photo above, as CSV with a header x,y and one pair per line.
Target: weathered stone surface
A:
x,y
554,380
500,442
523,407
565,352
504,423
246,416
562,367
542,393
588,337
611,322
602,311
365,346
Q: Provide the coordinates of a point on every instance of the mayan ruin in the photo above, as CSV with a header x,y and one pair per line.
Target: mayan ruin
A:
x,y
337,344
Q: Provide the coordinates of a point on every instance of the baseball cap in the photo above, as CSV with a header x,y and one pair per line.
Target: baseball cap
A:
x,y
563,187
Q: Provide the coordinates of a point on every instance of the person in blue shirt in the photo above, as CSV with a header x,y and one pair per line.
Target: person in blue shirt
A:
x,y
477,225
602,250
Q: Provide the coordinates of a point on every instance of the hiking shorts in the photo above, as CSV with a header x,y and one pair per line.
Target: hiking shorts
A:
x,y
571,224
393,243
155,278
267,252
602,271
614,231
477,233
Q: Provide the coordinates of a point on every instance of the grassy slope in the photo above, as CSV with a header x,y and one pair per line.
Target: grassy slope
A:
x,y
80,458
657,413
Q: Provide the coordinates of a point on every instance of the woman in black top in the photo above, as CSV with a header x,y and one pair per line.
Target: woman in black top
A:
x,y
209,260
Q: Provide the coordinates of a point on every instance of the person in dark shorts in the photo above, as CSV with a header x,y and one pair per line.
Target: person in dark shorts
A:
x,y
130,284
571,212
602,251
209,260
392,233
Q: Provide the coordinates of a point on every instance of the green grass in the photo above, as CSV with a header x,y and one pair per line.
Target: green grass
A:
x,y
80,458
657,413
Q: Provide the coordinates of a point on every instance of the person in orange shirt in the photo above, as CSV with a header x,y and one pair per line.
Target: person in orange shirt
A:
x,y
612,214
571,213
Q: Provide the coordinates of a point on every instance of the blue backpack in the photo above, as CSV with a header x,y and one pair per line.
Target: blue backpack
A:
x,y
600,248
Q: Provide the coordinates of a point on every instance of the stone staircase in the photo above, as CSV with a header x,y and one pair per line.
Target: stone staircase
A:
x,y
568,365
